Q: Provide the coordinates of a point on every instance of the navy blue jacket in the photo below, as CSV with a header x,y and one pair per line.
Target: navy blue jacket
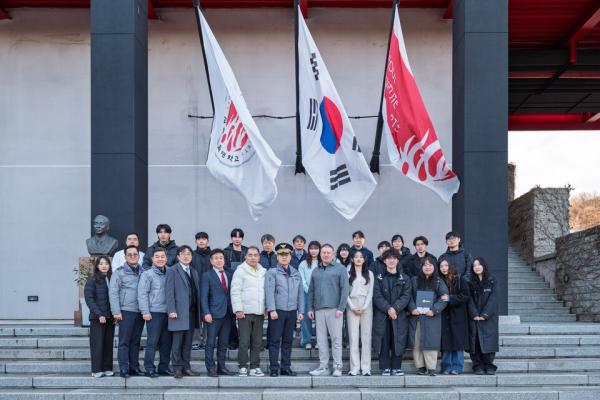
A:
x,y
171,248
296,261
268,260
213,299
460,259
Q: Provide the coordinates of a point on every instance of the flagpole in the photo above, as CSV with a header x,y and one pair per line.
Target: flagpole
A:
x,y
197,10
374,164
299,166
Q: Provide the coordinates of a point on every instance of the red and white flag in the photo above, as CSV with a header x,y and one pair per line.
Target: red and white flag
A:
x,y
413,145
238,155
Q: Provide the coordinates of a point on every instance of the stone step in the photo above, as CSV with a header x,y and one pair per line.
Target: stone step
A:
x,y
526,291
10,355
301,381
319,393
548,305
533,279
532,297
506,365
550,340
78,367
538,311
549,318
527,285
37,330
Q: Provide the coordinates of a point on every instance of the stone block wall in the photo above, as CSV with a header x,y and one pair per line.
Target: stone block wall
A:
x,y
578,273
511,181
536,219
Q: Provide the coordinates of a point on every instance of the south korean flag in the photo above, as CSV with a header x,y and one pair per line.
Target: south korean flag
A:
x,y
331,154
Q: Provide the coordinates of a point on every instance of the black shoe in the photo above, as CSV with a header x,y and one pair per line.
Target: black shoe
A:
x,y
152,374
124,374
478,372
224,371
165,373
274,373
431,372
288,372
136,372
212,373
490,372
422,371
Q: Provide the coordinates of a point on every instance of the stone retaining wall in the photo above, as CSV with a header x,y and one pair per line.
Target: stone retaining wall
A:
x,y
577,275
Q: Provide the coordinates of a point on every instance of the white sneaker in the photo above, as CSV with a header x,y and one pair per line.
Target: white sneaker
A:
x,y
108,373
337,372
366,373
308,346
320,371
354,373
243,372
256,372
97,374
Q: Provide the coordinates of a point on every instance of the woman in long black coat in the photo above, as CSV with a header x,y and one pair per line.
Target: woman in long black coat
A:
x,y
455,320
391,295
102,329
426,329
483,318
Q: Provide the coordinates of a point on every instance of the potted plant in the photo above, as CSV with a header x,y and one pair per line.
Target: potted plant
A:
x,y
82,272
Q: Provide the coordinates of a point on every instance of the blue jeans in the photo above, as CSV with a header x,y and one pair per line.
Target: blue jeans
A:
x,y
453,361
306,328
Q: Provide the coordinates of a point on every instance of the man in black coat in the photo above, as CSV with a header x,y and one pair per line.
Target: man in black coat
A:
x,y
201,264
412,264
456,254
163,231
235,253
392,293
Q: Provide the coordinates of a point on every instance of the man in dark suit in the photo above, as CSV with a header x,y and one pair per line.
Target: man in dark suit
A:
x,y
216,308
183,306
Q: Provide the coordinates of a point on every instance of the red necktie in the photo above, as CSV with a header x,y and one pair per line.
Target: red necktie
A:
x,y
223,282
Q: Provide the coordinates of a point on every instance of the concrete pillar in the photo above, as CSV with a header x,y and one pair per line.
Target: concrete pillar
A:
x,y
119,88
480,130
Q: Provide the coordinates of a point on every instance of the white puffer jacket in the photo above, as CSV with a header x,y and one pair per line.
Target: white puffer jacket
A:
x,y
248,289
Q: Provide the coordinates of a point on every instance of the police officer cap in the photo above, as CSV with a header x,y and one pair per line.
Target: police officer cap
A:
x,y
283,248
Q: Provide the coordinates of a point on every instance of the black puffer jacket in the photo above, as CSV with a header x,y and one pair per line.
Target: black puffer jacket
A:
x,y
171,248
96,298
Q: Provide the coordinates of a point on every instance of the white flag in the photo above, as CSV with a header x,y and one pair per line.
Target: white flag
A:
x,y
413,145
330,152
238,155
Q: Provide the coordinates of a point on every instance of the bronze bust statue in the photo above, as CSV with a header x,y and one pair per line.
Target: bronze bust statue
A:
x,y
101,243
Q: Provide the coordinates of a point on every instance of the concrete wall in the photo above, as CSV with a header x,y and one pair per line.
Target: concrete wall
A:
x,y
45,135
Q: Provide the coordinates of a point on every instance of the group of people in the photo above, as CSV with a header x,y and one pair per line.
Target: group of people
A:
x,y
219,299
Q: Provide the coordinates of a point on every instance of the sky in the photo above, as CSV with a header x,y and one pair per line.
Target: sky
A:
x,y
555,159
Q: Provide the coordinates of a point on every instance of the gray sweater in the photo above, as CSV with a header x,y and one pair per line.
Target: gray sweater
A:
x,y
329,288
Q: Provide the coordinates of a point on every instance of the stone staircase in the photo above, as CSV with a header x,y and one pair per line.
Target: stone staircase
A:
x,y
530,297
541,358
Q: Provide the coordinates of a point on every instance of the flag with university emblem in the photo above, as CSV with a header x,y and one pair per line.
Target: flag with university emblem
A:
x,y
330,151
413,145
238,155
